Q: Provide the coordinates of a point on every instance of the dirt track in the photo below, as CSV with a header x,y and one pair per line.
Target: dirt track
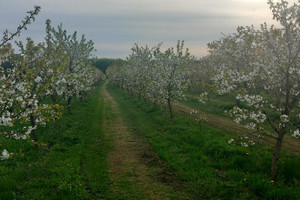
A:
x,y
132,177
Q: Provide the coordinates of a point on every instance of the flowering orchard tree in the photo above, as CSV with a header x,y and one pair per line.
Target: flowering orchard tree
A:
x,y
31,76
13,91
268,82
38,77
115,73
233,56
22,85
171,75
57,62
78,53
25,82
141,64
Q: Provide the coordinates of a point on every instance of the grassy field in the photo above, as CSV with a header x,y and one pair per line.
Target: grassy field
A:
x,y
202,158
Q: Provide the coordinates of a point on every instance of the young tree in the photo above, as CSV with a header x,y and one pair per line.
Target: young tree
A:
x,y
171,74
141,67
37,75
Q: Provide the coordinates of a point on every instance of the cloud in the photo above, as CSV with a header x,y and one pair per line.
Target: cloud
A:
x,y
117,24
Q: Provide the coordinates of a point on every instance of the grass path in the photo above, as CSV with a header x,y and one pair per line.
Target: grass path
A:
x,y
131,176
289,144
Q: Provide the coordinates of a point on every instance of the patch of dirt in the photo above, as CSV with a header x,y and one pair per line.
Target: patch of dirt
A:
x,y
289,144
133,158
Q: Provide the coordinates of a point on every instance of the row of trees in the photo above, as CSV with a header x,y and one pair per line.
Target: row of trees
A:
x,y
261,67
38,78
154,75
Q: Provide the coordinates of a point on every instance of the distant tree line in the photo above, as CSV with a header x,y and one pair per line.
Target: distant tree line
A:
x,y
104,63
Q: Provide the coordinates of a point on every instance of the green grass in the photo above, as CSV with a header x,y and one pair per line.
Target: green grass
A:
x,y
70,165
204,161
216,104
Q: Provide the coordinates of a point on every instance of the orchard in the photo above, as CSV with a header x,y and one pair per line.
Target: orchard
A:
x,y
259,66
160,124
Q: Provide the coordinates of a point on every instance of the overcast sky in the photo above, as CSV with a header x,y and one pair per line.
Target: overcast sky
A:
x,y
115,25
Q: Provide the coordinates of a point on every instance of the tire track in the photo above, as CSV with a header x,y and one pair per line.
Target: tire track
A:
x,y
131,177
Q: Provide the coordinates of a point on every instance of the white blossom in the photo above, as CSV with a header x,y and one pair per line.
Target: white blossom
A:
x,y
244,144
296,133
4,155
251,125
230,141
284,118
38,79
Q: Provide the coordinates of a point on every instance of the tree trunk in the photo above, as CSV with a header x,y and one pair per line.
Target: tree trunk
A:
x,y
170,108
54,100
34,133
32,122
276,153
208,96
69,104
75,101
237,102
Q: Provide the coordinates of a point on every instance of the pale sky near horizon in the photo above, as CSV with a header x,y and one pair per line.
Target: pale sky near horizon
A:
x,y
115,25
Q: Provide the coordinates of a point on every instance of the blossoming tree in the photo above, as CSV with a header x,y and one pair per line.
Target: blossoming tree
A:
x,y
268,82
172,75
158,76
78,53
29,77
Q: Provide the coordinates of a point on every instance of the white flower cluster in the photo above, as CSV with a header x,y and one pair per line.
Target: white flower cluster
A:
x,y
231,141
193,112
199,117
5,155
284,118
251,126
296,133
243,141
239,114
244,144
202,97
251,100
258,116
